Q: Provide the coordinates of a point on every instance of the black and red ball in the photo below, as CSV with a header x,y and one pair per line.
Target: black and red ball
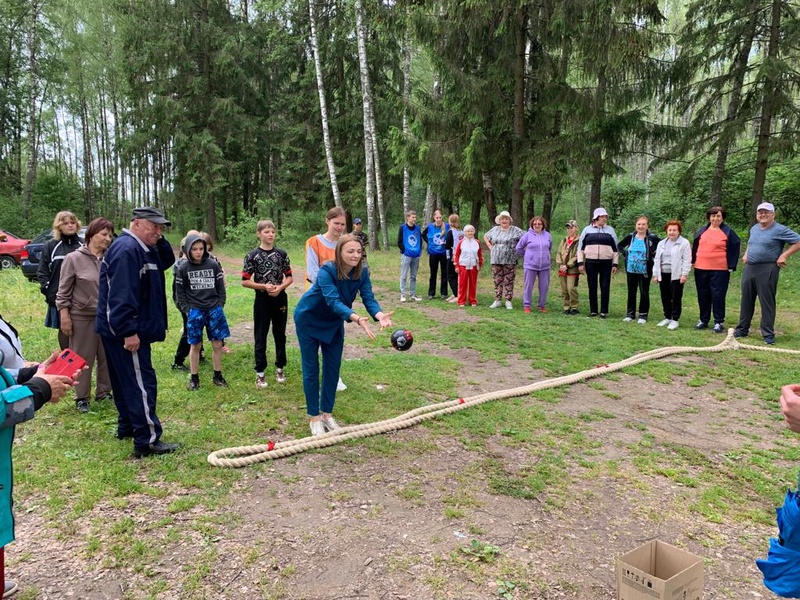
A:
x,y
402,339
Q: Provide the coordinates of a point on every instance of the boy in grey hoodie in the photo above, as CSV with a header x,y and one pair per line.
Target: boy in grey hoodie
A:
x,y
200,290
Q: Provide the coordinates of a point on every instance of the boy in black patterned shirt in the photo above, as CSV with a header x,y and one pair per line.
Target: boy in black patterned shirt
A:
x,y
267,271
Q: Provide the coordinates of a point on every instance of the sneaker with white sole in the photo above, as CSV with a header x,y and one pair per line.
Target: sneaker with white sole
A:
x,y
340,387
664,323
261,382
330,424
641,321
719,328
280,376
417,298
672,325
402,298
496,304
627,319
509,306
317,428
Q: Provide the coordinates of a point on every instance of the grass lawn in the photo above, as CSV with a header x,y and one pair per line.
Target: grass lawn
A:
x,y
67,463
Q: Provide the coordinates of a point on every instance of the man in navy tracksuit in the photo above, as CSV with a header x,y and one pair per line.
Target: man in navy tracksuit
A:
x,y
132,314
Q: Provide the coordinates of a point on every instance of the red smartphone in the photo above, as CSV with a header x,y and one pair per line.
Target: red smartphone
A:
x,y
66,364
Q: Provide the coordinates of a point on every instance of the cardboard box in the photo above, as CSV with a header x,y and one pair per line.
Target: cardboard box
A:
x,y
658,571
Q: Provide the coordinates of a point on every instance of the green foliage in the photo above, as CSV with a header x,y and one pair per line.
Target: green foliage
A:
x,y
619,193
53,191
481,551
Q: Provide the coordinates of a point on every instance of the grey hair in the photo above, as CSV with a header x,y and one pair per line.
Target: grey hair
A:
x,y
469,228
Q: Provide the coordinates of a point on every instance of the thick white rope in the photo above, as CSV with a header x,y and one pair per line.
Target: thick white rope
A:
x,y
242,456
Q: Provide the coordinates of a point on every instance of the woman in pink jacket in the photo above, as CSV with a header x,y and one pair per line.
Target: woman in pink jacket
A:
x,y
535,247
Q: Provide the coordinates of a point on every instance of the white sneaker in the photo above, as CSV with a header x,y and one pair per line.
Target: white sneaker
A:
x,y
496,304
340,387
417,299
627,319
317,428
280,376
261,382
452,299
641,321
664,322
509,305
329,424
672,325
402,298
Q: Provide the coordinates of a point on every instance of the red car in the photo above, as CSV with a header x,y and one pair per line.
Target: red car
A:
x,y
10,249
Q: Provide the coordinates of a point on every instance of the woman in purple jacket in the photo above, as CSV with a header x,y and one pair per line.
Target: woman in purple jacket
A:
x,y
535,247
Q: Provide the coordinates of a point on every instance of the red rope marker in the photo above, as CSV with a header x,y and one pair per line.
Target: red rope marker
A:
x,y
270,446
461,401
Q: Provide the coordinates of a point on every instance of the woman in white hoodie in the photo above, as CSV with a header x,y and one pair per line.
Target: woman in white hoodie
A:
x,y
671,267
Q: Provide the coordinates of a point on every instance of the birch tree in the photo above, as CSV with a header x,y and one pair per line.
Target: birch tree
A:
x,y
33,96
371,146
323,107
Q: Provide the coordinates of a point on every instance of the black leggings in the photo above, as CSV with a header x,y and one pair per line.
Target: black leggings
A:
x,y
598,269
437,262
671,297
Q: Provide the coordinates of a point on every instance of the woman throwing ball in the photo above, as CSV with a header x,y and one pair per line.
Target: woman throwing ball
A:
x,y
319,321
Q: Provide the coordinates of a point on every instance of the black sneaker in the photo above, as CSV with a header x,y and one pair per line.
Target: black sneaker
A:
x,y
155,449
769,340
740,334
592,314
82,404
193,385
719,328
567,312
701,325
179,367
574,311
603,315
220,381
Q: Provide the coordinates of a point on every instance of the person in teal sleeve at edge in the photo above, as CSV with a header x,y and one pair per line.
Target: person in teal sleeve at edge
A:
x,y
19,402
319,323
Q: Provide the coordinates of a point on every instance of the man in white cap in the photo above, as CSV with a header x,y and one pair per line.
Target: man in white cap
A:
x,y
763,260
132,314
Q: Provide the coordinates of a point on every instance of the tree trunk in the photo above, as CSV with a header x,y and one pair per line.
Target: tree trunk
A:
x,y
369,136
33,93
406,97
88,179
323,108
430,206
519,114
597,148
488,200
767,110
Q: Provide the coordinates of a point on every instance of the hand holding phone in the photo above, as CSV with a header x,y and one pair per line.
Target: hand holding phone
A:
x,y
67,363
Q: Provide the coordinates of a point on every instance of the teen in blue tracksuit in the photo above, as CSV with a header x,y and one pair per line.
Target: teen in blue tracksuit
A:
x,y
436,238
131,315
319,320
409,241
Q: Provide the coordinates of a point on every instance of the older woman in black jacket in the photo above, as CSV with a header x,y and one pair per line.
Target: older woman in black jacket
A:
x,y
65,240
639,248
715,253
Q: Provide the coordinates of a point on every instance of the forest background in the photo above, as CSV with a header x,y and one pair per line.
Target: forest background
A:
x,y
225,111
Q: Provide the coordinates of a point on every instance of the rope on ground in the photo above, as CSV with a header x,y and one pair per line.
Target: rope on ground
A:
x,y
243,456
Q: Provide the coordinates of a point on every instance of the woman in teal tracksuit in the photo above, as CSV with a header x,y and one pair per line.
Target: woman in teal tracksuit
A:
x,y
18,403
319,323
